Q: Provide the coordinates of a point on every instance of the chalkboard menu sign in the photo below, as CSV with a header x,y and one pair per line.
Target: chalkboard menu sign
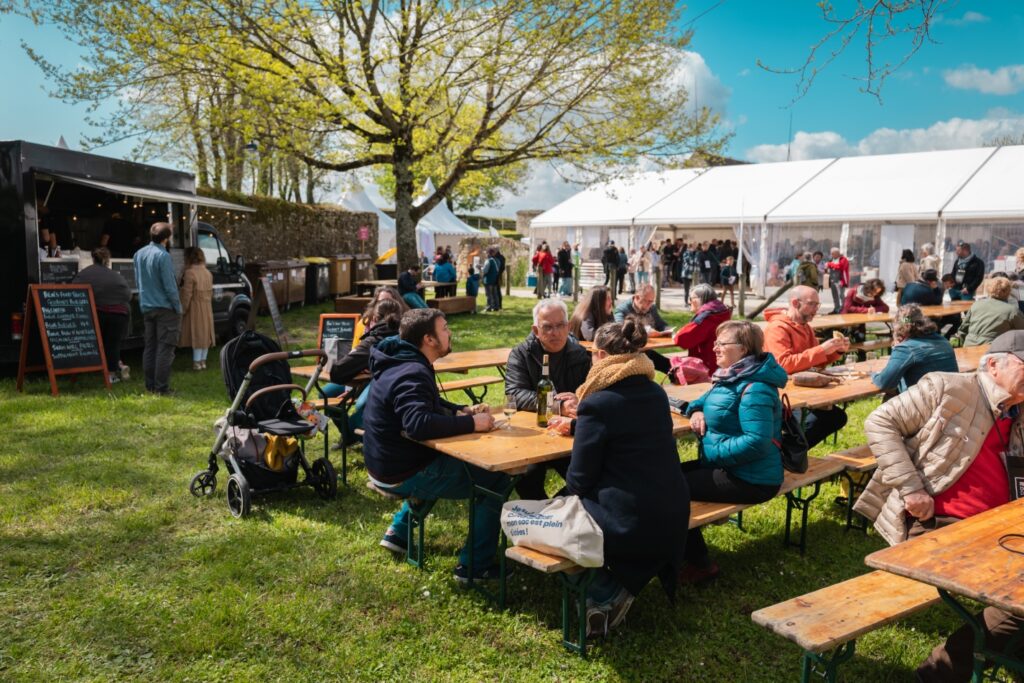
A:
x,y
61,326
58,270
339,326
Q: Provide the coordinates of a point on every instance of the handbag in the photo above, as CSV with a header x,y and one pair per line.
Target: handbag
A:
x,y
687,370
558,526
793,444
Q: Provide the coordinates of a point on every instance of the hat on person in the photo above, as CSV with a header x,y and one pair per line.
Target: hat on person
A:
x,y
961,243
1009,342
930,275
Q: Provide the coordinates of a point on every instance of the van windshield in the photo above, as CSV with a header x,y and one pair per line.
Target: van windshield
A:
x,y
212,248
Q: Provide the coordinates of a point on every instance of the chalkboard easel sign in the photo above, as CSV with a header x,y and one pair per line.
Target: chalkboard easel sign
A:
x,y
61,334
340,326
264,296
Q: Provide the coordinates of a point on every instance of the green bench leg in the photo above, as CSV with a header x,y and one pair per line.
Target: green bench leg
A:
x,y
574,595
855,488
1007,658
825,664
501,496
795,502
737,519
418,512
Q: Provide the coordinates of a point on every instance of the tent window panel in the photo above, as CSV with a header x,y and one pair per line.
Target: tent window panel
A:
x,y
787,241
995,243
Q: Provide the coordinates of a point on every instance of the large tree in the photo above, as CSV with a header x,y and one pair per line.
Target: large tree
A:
x,y
461,87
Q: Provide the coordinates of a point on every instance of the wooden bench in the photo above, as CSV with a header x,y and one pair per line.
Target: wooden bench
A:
x,y
873,345
418,511
827,622
818,470
467,385
858,462
575,581
451,305
351,304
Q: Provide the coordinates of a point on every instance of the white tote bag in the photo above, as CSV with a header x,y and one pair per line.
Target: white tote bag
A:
x,y
559,526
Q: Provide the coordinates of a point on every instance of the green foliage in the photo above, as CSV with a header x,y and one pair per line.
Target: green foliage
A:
x,y
110,570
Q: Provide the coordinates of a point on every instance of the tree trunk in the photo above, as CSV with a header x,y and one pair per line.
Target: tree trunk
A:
x,y
310,183
405,226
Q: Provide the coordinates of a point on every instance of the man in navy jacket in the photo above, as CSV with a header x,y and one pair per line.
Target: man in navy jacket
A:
x,y
404,408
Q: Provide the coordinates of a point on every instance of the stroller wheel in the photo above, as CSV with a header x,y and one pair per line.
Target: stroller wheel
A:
x,y
325,479
203,484
239,498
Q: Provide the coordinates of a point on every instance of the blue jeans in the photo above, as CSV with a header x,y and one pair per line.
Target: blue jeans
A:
x,y
414,300
821,424
604,587
565,286
450,479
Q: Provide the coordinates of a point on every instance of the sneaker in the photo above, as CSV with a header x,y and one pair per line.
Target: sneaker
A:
x,y
620,605
114,379
491,573
841,501
196,365
597,622
394,543
691,574
126,372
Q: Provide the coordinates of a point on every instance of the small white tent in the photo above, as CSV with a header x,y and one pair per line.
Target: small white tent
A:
x,y
439,221
356,199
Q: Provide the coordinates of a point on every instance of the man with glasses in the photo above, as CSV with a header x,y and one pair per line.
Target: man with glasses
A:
x,y
790,338
568,365
641,305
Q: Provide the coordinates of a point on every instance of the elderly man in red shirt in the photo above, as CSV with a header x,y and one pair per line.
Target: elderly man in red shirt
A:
x,y
942,448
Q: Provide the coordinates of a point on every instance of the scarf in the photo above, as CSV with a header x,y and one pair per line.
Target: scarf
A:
x,y
708,309
612,369
741,367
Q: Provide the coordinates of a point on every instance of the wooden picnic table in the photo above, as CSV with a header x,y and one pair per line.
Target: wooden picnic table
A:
x,y
828,322
946,308
511,450
363,285
965,559
459,361
652,343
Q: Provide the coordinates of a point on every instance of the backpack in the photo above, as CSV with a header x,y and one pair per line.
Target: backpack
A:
x,y
792,445
687,370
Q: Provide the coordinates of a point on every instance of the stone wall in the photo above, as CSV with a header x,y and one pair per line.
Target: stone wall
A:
x,y
523,219
281,229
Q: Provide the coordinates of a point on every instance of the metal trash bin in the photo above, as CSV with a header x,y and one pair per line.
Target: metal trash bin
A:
x,y
318,282
277,273
363,267
340,275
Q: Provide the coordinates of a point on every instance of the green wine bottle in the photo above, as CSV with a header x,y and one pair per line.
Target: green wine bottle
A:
x,y
545,395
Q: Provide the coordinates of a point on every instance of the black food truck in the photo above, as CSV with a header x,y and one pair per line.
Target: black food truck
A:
x,y
57,205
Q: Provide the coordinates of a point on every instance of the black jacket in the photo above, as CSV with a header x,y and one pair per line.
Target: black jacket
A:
x,y
358,359
970,274
610,257
109,288
625,468
404,407
564,263
568,370
922,294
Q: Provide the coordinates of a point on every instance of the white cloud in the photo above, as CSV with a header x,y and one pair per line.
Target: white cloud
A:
x,y
542,190
1006,80
969,17
705,88
955,133
744,72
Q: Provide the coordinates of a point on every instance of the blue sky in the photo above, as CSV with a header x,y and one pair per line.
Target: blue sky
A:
x,y
958,92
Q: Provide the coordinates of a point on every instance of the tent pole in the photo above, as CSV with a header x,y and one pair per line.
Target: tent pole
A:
x,y
739,268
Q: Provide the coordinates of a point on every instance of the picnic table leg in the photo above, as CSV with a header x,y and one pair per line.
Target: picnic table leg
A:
x,y
1006,659
574,589
795,502
500,496
828,661
855,487
418,511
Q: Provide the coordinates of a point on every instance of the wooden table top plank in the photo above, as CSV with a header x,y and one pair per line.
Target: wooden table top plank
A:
x,y
512,450
946,308
652,343
831,616
966,559
462,361
828,322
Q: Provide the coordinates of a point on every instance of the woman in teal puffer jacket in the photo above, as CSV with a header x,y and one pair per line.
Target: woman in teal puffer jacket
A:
x,y
739,423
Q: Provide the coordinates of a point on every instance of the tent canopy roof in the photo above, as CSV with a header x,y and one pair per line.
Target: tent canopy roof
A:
x,y
979,183
440,220
731,194
615,202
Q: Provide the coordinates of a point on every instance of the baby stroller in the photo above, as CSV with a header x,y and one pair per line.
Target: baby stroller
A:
x,y
258,433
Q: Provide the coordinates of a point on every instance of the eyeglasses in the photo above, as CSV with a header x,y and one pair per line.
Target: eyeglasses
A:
x,y
548,329
720,344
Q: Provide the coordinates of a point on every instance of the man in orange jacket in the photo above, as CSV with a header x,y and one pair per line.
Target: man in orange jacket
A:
x,y
790,338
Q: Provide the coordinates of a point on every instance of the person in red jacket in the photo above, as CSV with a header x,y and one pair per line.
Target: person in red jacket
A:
x,y
838,268
790,338
698,335
544,265
866,299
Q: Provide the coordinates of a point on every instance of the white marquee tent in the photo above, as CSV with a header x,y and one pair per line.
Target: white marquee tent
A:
x,y
872,207
356,199
439,221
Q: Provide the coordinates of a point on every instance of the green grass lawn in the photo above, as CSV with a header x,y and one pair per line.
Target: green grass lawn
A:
x,y
110,570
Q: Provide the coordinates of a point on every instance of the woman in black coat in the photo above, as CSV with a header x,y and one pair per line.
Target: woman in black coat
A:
x,y
625,469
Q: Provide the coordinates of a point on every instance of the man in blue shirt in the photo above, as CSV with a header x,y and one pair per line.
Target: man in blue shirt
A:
x,y
160,305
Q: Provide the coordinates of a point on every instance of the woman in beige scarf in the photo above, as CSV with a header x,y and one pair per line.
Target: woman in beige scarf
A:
x,y
625,469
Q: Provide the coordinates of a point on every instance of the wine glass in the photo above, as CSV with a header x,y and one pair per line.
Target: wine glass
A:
x,y
851,361
872,356
509,409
